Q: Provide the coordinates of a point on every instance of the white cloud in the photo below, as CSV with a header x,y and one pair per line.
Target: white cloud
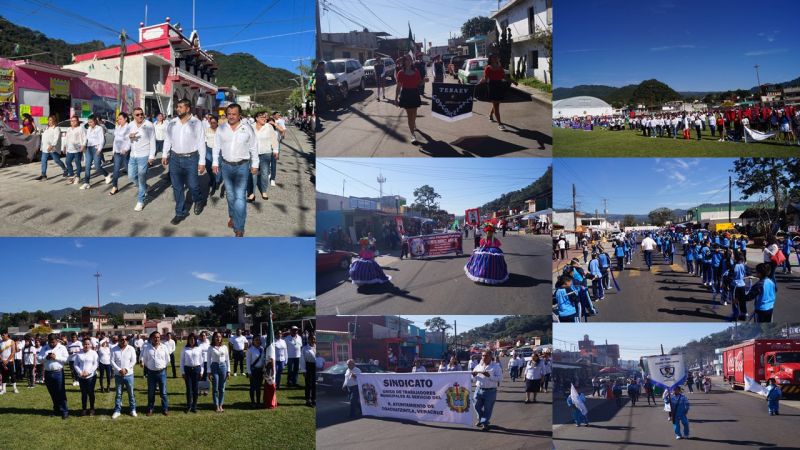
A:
x,y
774,51
152,283
212,278
116,294
672,47
78,243
68,262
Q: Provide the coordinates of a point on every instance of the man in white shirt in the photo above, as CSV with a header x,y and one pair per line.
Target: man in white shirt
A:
x,y
170,344
73,348
142,137
8,350
155,358
294,346
185,153
257,357
281,352
234,155
123,359
487,378
418,367
351,386
50,147
53,357
238,347
648,245
74,144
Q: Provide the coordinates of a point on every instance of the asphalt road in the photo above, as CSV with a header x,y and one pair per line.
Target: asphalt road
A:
x,y
721,419
439,284
515,426
667,293
53,208
365,127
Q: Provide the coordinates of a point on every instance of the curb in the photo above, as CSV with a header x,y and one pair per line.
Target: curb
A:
x,y
535,94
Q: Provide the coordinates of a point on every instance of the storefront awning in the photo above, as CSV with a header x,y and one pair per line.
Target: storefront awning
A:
x,y
49,68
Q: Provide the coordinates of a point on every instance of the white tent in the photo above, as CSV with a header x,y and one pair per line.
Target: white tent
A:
x,y
581,106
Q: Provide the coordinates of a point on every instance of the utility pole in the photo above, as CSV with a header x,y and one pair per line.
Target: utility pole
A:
x,y
605,208
574,211
341,203
319,32
302,79
97,276
122,51
381,179
758,78
730,186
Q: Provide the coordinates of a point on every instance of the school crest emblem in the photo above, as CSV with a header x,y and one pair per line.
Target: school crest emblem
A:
x,y
369,394
667,371
457,398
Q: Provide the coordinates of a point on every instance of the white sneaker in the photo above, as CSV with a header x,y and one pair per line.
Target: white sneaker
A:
x,y
85,186
139,206
501,128
133,414
115,415
16,391
75,383
108,179
234,374
3,392
272,182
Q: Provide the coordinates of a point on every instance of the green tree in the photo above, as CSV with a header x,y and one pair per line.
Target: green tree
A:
x,y
425,199
153,311
170,311
477,26
115,319
544,36
660,216
224,304
628,221
437,324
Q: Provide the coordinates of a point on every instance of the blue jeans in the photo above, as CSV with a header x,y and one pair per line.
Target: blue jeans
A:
x,y
159,147
87,391
214,180
119,382
355,402
157,377
137,173
677,425
279,365
93,156
119,161
273,168
55,386
265,165
182,173
484,404
293,369
235,178
192,379
648,258
54,155
77,158
219,375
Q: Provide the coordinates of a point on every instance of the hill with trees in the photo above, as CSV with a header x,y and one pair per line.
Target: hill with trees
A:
x,y
699,351
511,327
516,199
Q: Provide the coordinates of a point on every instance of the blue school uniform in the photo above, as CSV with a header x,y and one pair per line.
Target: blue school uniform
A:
x,y
773,398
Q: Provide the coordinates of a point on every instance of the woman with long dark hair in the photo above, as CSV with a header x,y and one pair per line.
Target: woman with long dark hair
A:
x,y
191,368
495,76
408,81
219,362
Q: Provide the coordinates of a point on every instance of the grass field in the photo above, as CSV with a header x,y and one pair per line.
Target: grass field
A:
x,y
292,425
601,143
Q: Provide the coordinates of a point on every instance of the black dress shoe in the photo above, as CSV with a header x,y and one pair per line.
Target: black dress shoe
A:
x,y
41,177
177,219
198,208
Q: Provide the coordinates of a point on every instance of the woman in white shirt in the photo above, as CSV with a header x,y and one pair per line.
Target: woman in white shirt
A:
x,y
309,353
121,149
74,144
219,365
267,145
95,140
29,353
86,363
160,127
191,368
50,147
771,249
104,363
203,343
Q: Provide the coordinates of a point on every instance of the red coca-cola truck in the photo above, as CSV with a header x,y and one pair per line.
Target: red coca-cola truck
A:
x,y
762,359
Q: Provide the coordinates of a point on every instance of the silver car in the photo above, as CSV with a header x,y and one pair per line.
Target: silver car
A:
x,y
107,125
389,69
345,75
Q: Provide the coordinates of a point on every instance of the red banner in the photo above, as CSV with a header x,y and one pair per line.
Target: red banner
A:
x,y
435,244
472,216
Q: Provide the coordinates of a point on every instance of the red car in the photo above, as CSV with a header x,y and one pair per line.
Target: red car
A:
x,y
328,260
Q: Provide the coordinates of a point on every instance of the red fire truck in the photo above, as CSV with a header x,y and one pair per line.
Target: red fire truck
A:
x,y
762,359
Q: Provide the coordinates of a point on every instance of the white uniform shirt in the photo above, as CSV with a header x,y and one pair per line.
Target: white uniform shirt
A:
x,y
349,381
218,355
74,139
184,138
29,355
648,244
266,139
238,342
155,358
53,364
50,138
7,346
170,344
235,146
534,371
104,355
191,357
96,137
416,369
123,359
144,144
294,346
160,129
87,362
122,143
280,350
493,380
73,348
256,357
204,345
211,135
310,354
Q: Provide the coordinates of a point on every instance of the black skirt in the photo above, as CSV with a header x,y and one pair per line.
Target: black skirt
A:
x,y
497,90
532,385
409,98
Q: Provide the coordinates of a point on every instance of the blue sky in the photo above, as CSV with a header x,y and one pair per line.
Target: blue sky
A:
x,y
432,21
634,339
463,183
55,273
464,323
640,185
216,24
692,46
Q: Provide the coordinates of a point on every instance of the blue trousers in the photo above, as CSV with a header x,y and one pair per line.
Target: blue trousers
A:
x,y
484,404
127,382
261,179
77,158
677,425
219,375
137,173
773,406
54,155
192,379
279,365
235,178
58,393
93,157
183,173
355,401
293,369
648,258
157,377
119,162
214,180
578,417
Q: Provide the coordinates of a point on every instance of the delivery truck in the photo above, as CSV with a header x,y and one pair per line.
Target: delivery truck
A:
x,y
762,359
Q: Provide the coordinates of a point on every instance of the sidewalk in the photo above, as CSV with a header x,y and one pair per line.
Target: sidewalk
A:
x,y
536,95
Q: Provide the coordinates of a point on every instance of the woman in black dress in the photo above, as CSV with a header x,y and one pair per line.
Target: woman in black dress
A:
x,y
408,80
495,76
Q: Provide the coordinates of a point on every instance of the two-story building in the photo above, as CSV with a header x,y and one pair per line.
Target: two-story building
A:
x,y
526,19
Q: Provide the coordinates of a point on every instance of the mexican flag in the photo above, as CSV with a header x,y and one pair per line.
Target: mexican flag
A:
x,y
412,46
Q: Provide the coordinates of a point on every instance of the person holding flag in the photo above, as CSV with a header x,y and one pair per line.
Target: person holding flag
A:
x,y
773,397
270,377
577,402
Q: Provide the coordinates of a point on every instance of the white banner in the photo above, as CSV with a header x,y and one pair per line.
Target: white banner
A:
x,y
757,135
666,371
421,397
576,400
754,386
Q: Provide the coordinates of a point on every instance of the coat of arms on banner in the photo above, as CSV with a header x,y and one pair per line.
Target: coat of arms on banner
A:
x,y
667,371
370,395
457,398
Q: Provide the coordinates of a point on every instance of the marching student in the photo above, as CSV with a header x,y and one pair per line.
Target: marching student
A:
x,y
50,147
566,300
86,363
29,353
219,362
74,144
533,378
310,361
8,348
773,398
53,357
204,344
160,128
408,81
191,366
73,348
764,294
95,141
121,149
267,147
494,75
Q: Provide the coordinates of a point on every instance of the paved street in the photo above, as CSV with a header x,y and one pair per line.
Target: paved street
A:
x,y
435,285
515,425
722,419
364,127
52,208
668,293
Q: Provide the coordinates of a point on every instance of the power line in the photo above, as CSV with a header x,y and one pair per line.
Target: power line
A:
x,y
258,16
259,38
